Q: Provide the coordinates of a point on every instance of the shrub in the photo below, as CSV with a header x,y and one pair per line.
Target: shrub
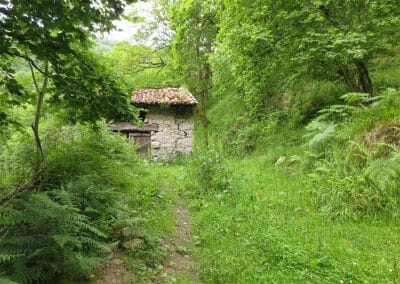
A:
x,y
210,171
356,160
57,227
244,140
313,96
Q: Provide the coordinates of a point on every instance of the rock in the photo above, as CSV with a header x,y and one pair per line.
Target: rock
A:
x,y
132,244
183,143
171,263
280,161
186,125
156,145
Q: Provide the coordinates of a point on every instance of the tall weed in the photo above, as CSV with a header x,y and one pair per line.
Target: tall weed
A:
x,y
210,172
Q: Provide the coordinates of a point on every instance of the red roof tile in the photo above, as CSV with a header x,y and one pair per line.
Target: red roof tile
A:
x,y
166,96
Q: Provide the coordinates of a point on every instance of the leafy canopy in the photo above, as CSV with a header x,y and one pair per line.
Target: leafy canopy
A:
x,y
53,38
263,47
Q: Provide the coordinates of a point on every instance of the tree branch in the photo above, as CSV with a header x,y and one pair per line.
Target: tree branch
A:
x,y
38,112
33,76
30,61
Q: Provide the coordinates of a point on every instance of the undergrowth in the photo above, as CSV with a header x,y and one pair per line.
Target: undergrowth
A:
x,y
300,195
353,157
93,194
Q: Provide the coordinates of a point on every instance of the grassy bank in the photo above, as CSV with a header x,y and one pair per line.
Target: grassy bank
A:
x,y
266,229
326,214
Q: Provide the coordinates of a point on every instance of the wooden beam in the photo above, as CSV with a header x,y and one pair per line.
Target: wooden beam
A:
x,y
131,127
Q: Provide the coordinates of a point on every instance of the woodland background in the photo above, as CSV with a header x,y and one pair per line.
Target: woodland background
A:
x,y
312,84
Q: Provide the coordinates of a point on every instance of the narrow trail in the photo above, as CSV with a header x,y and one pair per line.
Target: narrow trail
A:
x,y
113,272
180,266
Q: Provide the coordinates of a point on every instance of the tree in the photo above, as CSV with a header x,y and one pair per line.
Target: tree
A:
x,y
53,37
339,38
140,66
327,39
194,24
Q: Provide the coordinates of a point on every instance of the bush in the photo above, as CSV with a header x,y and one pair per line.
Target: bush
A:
x,y
210,171
356,157
312,96
244,139
56,228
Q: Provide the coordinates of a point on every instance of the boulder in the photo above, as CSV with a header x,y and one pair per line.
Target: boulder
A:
x,y
132,244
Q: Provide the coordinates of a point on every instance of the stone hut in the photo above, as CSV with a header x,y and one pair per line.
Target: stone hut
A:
x,y
168,127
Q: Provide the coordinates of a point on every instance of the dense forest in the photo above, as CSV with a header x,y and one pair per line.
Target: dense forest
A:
x,y
295,173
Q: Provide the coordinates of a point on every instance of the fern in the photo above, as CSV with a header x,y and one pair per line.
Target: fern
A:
x,y
384,173
319,133
9,257
61,231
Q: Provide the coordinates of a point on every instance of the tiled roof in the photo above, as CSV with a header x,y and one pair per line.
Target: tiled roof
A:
x,y
166,96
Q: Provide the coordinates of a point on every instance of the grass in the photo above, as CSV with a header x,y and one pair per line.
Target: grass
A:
x,y
267,230
154,200
266,226
256,222
150,204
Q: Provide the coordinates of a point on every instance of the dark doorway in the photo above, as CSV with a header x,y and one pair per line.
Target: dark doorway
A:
x,y
142,141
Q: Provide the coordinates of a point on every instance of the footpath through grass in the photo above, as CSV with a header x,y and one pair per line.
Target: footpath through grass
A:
x,y
162,238
264,229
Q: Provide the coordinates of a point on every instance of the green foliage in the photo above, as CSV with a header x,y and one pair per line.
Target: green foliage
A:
x,y
268,68
388,75
343,191
50,237
63,226
360,179
311,96
210,172
138,66
320,133
194,24
52,38
265,48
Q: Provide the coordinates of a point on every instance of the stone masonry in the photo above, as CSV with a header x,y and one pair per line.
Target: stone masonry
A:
x,y
168,129
174,136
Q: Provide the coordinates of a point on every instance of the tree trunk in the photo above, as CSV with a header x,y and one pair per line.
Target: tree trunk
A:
x,y
348,78
36,122
357,78
203,77
363,78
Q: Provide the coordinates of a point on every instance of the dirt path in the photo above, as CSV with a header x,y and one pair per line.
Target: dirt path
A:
x,y
180,265
113,272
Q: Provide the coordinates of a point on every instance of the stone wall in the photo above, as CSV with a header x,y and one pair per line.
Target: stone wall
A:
x,y
175,132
